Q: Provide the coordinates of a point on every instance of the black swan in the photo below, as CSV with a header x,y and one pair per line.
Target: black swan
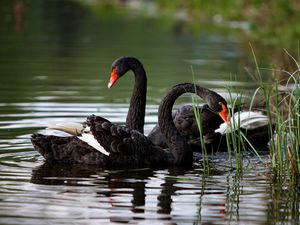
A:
x,y
128,146
184,118
254,125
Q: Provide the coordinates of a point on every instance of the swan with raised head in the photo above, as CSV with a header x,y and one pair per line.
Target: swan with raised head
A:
x,y
184,118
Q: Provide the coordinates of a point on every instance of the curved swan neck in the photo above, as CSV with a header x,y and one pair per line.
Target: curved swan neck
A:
x,y
165,119
136,113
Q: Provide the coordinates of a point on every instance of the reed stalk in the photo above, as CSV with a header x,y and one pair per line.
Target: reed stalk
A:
x,y
283,109
199,124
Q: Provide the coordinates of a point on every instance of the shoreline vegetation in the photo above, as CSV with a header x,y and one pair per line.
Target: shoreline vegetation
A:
x,y
281,103
270,26
272,22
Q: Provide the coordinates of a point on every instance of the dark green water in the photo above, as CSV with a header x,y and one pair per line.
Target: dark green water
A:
x,y
55,59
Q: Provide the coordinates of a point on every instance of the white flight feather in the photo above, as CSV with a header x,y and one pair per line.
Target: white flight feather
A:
x,y
89,139
246,119
71,128
82,132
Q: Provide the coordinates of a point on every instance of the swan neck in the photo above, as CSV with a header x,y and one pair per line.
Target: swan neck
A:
x,y
165,119
136,113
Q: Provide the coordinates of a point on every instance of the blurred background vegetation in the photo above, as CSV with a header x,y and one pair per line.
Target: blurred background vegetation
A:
x,y
271,21
271,25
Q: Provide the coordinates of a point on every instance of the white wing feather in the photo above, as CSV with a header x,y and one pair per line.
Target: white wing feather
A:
x,y
89,139
246,119
82,132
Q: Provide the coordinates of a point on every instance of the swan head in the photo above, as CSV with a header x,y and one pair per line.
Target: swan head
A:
x,y
217,104
121,66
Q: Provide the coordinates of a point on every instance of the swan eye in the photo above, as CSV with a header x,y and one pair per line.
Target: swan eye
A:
x,y
221,106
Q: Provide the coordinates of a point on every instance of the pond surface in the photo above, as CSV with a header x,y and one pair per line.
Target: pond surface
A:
x,y
55,59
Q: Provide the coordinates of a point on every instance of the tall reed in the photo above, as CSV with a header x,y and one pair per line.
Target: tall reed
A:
x,y
197,114
283,108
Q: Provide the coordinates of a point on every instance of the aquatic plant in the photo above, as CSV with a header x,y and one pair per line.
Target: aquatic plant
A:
x,y
195,105
282,107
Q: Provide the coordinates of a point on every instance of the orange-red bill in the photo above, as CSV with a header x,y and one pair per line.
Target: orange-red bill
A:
x,y
224,113
113,78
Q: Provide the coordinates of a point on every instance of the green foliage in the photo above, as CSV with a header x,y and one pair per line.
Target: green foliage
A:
x,y
283,108
270,22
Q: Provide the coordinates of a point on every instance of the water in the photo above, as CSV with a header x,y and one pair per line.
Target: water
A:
x,y
55,59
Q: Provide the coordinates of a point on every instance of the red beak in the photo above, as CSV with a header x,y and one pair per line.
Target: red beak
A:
x,y
224,113
113,78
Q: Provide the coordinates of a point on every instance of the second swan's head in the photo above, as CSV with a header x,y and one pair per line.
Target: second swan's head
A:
x,y
219,105
121,66
215,102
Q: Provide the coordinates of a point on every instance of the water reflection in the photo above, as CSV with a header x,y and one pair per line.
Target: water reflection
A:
x,y
147,193
179,195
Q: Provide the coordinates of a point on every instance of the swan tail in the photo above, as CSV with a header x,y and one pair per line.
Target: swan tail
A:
x,y
45,145
67,150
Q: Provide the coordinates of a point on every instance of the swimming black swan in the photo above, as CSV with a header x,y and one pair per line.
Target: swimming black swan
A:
x,y
126,146
254,124
184,118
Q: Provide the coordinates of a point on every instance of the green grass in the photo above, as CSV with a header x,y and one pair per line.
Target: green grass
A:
x,y
195,105
283,109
